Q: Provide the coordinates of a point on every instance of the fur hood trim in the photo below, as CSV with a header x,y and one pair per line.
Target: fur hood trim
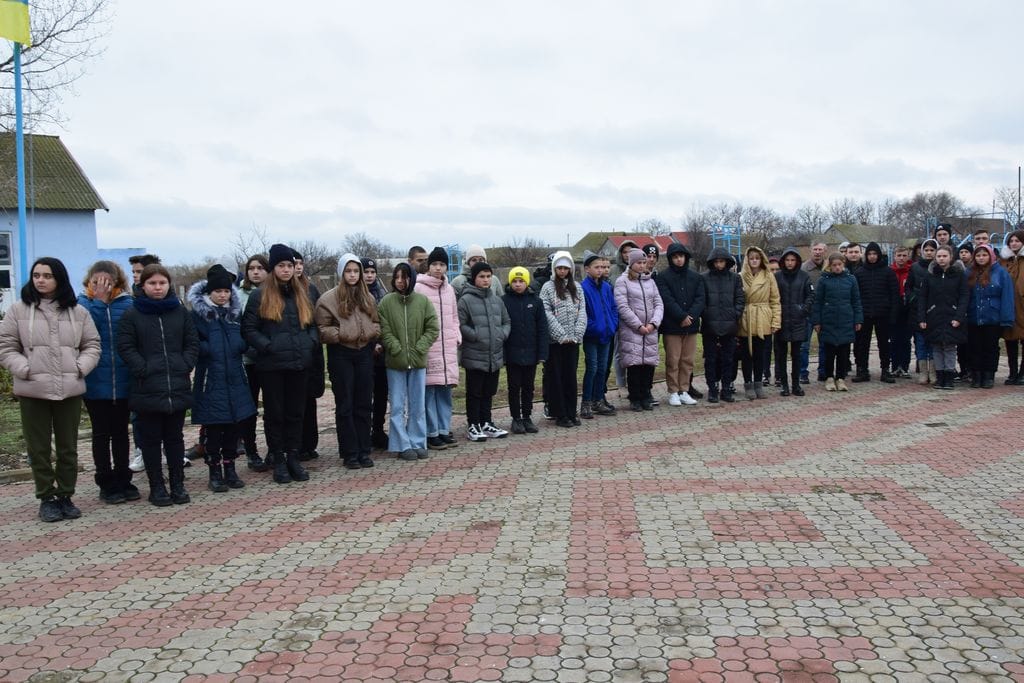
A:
x,y
956,266
200,302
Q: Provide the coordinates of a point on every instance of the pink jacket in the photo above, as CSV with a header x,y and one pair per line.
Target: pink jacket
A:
x,y
443,357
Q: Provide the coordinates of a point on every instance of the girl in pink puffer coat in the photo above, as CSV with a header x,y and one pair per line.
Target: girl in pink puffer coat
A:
x,y
640,313
443,357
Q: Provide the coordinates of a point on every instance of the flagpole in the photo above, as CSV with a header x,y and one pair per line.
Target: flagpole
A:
x,y
19,150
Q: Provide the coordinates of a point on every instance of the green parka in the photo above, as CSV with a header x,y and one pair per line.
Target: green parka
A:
x,y
408,328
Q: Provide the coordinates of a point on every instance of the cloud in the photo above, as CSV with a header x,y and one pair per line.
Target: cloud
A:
x,y
638,196
851,177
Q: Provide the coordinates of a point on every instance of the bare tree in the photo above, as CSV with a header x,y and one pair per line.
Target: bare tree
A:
x,y
249,243
518,252
364,246
850,211
911,216
318,259
1007,200
65,36
653,227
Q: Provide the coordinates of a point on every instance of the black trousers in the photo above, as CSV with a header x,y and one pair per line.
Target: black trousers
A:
x,y
1013,354
380,398
110,443
153,430
481,386
719,358
639,380
752,358
862,341
837,360
983,347
780,357
520,379
221,443
563,385
283,410
351,373
766,363
310,430
247,427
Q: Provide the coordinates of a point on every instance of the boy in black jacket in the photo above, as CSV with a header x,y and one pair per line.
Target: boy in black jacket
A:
x,y
526,346
720,323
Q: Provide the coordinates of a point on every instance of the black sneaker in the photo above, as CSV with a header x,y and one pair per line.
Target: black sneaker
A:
x,y
49,510
517,426
112,497
366,462
436,443
529,426
131,492
449,439
547,413
68,509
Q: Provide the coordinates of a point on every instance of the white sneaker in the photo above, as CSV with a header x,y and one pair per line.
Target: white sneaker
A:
x,y
135,464
492,432
474,433
830,384
841,385
686,399
674,400
188,463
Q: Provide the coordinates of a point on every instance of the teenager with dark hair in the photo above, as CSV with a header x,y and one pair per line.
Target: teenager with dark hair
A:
x,y
989,313
256,270
566,312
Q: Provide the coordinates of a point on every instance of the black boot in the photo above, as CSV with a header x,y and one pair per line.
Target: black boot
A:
x,y
862,375
797,389
988,380
155,473
712,392
295,468
887,377
280,465
728,392
784,385
231,475
217,484
176,473
158,493
975,379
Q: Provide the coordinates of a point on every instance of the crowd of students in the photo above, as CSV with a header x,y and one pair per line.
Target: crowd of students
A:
x,y
140,359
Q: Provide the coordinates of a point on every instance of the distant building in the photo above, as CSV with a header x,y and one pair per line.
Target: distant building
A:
x,y
611,245
62,206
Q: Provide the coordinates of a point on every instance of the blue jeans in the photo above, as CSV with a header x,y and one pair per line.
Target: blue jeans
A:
x,y
406,389
922,349
596,356
439,409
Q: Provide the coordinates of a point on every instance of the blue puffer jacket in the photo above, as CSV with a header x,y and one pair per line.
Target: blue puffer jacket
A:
x,y
837,308
990,305
111,380
602,313
221,388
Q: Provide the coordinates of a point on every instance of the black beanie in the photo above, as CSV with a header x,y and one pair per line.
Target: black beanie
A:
x,y
218,277
652,250
479,267
296,255
279,253
368,263
438,254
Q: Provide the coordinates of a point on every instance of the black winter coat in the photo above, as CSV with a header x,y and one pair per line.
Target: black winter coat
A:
x,y
879,290
159,344
280,345
943,298
682,293
724,298
912,290
528,342
796,297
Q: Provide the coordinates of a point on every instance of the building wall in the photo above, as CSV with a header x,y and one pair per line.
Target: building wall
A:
x,y
67,235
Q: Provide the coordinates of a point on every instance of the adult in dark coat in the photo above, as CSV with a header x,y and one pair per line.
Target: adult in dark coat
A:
x,y
683,295
723,308
942,312
879,296
157,341
796,296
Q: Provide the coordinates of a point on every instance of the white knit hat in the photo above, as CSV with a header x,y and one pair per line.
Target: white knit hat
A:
x,y
562,258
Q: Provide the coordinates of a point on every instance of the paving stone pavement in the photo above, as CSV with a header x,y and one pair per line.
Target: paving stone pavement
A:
x,y
876,535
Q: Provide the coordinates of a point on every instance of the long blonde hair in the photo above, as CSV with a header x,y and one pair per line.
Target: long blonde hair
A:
x,y
356,297
272,301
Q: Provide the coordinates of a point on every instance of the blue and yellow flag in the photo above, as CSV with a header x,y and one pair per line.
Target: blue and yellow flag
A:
x,y
14,21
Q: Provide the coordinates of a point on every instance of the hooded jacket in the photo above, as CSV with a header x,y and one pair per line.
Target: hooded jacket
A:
x,y
992,304
353,331
158,341
639,304
724,299
48,350
110,380
796,298
837,308
912,289
443,358
1014,265
879,286
943,298
485,325
602,311
762,311
220,391
682,293
527,342
408,326
620,265
280,344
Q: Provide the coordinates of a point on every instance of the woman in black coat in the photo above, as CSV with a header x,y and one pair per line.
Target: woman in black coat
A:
x,y
278,324
796,296
158,342
942,312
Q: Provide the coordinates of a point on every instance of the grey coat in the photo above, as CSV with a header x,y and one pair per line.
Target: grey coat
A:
x,y
485,325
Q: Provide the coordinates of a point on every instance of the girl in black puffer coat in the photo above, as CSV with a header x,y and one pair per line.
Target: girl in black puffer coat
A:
x,y
942,312
278,323
796,296
157,341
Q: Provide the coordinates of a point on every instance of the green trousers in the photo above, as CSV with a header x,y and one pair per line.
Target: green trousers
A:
x,y
41,419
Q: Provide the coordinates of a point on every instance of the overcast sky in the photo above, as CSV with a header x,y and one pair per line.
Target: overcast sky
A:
x,y
467,122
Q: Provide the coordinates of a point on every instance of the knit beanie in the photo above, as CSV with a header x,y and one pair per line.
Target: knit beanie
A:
x,y
652,250
474,250
218,277
562,258
589,257
519,272
479,267
279,253
440,254
637,256
346,259
368,263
